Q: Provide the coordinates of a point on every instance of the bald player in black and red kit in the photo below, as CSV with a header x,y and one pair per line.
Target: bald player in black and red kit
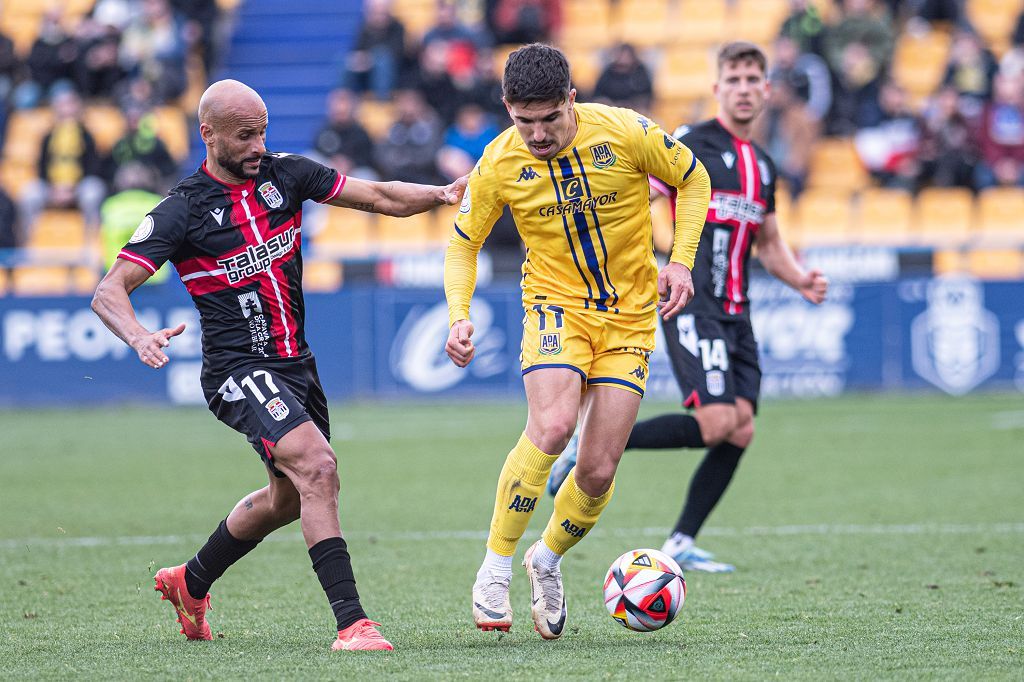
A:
x,y
232,231
711,345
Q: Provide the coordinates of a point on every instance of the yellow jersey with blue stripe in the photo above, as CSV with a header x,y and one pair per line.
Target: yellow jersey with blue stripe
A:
x,y
584,215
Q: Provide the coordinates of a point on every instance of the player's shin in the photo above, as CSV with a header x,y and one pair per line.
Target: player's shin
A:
x,y
574,516
333,567
519,487
220,551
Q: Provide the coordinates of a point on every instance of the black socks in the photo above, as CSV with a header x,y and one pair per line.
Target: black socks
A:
x,y
333,567
707,486
666,431
210,562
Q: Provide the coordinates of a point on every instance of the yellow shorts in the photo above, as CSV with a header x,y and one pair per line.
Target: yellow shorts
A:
x,y
604,348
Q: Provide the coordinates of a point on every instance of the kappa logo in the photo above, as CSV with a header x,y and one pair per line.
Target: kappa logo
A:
x,y
250,304
572,188
603,155
550,343
572,529
729,158
271,195
527,174
523,504
277,408
639,372
218,215
644,123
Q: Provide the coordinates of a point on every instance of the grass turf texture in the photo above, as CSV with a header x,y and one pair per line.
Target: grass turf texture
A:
x,y
874,538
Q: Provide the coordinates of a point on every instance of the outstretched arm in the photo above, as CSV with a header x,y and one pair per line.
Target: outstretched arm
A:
x,y
394,198
111,304
777,258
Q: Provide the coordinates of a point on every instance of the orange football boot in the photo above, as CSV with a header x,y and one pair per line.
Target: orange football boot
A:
x,y
191,612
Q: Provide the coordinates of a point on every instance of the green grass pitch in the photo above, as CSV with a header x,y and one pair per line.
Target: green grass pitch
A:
x,y
875,538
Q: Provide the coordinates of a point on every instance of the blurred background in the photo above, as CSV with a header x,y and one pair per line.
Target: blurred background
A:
x,y
897,127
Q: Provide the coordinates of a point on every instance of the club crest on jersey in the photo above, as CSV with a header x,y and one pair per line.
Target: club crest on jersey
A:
x,y
550,343
729,158
527,174
250,304
716,383
143,231
603,155
271,195
277,409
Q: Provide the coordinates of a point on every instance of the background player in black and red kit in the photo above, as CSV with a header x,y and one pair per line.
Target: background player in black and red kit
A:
x,y
712,345
232,230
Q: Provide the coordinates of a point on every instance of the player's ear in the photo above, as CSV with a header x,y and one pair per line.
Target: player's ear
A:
x,y
572,98
206,132
508,108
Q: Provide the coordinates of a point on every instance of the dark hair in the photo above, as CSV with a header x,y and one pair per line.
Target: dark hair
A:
x,y
741,51
536,73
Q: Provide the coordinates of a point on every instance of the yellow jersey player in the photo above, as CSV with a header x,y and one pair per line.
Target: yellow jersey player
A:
x,y
575,178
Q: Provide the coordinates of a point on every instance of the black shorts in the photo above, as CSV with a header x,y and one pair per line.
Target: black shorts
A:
x,y
264,401
715,361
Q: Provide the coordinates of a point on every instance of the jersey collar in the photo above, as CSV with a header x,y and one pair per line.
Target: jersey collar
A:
x,y
248,184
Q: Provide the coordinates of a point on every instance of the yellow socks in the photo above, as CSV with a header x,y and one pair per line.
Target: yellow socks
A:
x,y
520,485
575,514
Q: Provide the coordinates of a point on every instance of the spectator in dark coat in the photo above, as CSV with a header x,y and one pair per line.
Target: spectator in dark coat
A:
x,y
626,81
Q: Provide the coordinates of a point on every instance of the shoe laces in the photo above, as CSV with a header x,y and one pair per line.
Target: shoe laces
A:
x,y
551,587
494,590
364,629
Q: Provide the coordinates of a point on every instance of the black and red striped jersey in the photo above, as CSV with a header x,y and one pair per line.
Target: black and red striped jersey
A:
x,y
237,250
742,194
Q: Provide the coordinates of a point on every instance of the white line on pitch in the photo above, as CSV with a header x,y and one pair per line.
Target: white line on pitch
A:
x,y
479,535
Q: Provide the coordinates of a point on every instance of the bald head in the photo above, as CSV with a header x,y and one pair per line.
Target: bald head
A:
x,y
228,99
233,124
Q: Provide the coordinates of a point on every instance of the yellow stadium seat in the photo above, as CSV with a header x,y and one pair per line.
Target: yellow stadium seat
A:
x,y
825,217
585,24
321,276
84,279
644,23
919,62
785,216
377,118
949,262
1001,215
586,67
996,263
40,280
444,220
345,233
15,175
836,166
3,281
418,16
58,229
25,132
703,22
685,73
944,216
402,235
759,21
172,128
884,217
106,123
22,29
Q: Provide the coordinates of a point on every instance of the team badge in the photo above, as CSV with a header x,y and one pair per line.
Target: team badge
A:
x,y
550,343
277,408
716,383
143,231
729,158
603,155
271,195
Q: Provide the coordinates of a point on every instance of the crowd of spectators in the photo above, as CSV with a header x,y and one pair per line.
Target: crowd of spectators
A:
x,y
831,75
131,54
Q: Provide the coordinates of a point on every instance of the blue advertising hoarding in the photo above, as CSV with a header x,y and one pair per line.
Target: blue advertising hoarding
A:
x,y
952,334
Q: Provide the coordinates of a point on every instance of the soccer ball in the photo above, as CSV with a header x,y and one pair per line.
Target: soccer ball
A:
x,y
644,590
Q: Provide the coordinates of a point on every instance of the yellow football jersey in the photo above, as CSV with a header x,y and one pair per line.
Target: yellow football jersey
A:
x,y
584,216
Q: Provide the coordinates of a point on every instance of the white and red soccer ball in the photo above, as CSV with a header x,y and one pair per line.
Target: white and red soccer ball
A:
x,y
644,590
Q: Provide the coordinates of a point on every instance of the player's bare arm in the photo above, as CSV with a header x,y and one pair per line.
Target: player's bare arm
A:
x,y
459,346
112,305
399,199
778,259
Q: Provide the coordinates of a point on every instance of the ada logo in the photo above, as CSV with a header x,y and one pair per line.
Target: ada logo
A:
x,y
271,195
550,343
250,304
277,408
572,529
716,382
143,231
955,342
523,504
603,155
572,188
526,174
